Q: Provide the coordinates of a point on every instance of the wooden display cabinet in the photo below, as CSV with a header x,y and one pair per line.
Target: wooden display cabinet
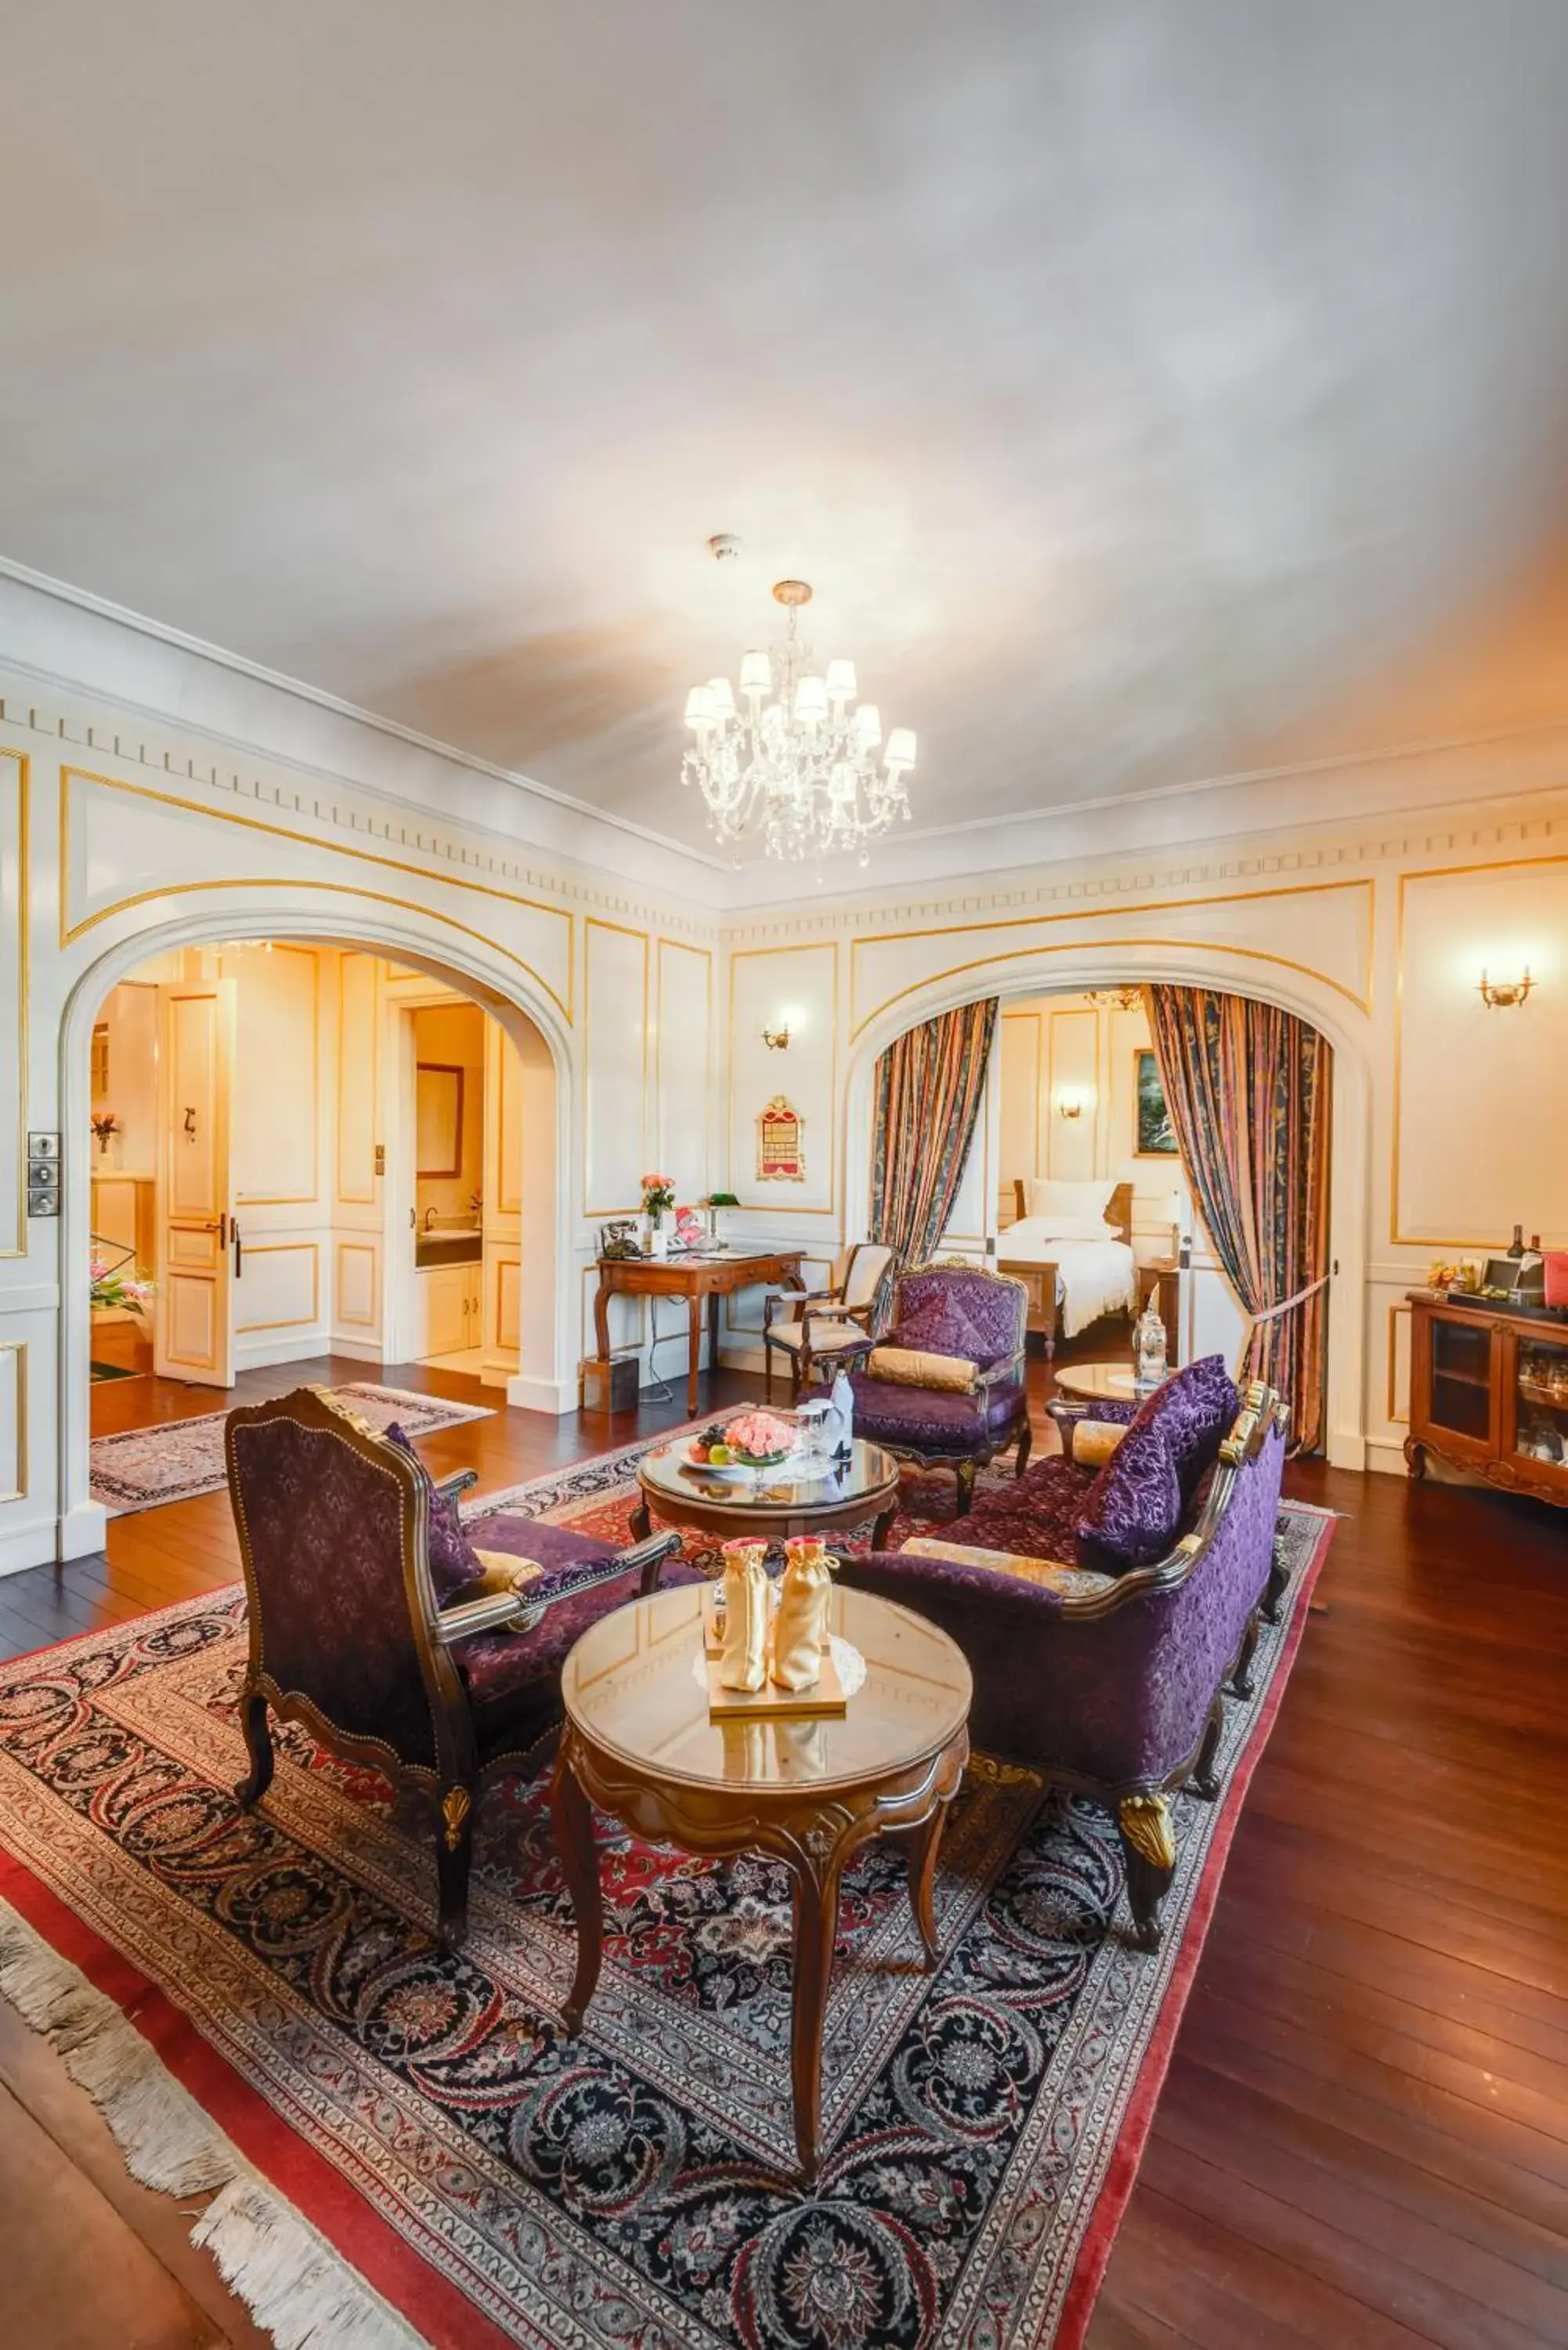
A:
x,y
1488,1394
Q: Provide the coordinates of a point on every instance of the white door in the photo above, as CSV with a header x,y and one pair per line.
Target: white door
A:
x,y
198,1246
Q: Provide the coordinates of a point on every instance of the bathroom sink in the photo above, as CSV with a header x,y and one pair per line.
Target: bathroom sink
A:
x,y
448,1248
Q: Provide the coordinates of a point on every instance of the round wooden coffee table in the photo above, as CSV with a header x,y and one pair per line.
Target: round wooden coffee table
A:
x,y
637,1741
1097,1382
680,1494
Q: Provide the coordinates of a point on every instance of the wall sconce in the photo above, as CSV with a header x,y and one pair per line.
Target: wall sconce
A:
x,y
1501,994
1070,1102
777,1039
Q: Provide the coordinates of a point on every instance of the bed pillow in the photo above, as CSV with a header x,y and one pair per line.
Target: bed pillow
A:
x,y
1040,1231
1046,1195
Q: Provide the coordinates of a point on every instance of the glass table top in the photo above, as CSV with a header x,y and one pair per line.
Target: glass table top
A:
x,y
635,1685
868,1472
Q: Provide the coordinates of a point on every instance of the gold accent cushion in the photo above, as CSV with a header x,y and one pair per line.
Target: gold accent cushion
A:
x,y
505,1573
1050,1574
1094,1441
909,1366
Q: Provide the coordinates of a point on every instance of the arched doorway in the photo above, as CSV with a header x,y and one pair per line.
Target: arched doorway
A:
x,y
488,977
1054,970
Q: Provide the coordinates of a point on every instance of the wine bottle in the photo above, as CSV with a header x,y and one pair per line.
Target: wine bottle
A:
x,y
1516,1246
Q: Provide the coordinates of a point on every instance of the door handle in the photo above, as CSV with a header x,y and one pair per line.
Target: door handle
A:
x,y
239,1246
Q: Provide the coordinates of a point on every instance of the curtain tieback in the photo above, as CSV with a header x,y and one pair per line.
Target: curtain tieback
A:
x,y
1273,1313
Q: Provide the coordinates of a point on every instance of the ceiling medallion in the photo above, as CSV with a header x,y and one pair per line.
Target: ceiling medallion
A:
x,y
802,767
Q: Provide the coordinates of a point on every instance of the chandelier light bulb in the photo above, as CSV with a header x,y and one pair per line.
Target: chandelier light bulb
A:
x,y
796,764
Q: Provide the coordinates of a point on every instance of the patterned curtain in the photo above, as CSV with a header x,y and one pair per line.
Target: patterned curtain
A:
x,y
929,1087
1249,1090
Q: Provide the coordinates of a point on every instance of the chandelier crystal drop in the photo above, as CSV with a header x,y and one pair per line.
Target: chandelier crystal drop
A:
x,y
802,767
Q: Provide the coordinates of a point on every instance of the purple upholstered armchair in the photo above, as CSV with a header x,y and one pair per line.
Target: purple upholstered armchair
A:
x,y
375,1624
965,1316
1113,1683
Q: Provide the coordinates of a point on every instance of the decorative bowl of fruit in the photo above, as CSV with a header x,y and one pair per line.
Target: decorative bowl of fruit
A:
x,y
748,1446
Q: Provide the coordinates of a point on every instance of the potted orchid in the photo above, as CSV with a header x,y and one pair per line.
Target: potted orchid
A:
x,y
105,1126
658,1195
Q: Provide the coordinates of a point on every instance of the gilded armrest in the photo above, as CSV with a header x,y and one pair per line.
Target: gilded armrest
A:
x,y
458,1482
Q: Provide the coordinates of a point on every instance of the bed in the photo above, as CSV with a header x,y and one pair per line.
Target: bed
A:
x,y
1074,1276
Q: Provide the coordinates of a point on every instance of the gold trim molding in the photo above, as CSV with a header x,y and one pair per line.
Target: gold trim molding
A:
x,y
18,1347
24,781
305,841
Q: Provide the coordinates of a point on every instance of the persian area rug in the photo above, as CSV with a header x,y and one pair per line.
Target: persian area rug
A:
x,y
146,1467
493,2182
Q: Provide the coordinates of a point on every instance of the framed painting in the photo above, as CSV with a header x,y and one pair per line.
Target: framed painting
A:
x,y
1154,1136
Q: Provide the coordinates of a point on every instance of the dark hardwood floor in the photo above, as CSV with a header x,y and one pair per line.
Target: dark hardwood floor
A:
x,y
1362,2141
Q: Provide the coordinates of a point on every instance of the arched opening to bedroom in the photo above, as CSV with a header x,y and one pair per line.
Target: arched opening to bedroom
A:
x,y
316,1151
1073,1094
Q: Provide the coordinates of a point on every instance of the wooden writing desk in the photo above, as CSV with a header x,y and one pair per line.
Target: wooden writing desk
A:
x,y
694,1278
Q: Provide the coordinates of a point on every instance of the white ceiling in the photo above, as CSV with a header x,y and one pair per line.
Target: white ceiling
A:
x,y
1136,382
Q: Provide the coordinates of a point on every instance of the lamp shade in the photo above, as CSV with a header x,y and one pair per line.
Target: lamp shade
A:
x,y
756,673
811,700
867,725
841,680
901,747
723,698
699,709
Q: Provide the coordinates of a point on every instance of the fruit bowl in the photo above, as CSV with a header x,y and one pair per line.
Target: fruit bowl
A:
x,y
753,1443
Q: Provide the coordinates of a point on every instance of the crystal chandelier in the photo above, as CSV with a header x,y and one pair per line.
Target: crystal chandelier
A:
x,y
803,766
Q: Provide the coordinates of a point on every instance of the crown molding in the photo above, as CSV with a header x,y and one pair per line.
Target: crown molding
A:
x,y
1529,823
76,644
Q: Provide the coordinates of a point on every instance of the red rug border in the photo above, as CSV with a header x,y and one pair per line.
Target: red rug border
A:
x,y
1121,2174
394,2269
325,2198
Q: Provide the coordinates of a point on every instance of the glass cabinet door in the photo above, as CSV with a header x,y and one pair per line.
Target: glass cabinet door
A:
x,y
1541,1400
1461,1379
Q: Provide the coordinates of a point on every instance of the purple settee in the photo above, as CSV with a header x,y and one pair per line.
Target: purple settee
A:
x,y
374,1621
964,1314
1104,1610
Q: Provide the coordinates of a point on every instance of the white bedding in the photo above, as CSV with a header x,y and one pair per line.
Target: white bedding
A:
x,y
1092,1278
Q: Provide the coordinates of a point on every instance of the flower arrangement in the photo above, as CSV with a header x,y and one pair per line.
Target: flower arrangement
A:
x,y
105,1126
658,1193
110,1287
760,1439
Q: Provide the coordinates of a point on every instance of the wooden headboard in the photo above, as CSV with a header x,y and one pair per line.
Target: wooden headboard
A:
x,y
1118,1207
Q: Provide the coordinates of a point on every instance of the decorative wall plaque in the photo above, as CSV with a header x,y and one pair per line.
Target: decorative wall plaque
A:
x,y
780,1155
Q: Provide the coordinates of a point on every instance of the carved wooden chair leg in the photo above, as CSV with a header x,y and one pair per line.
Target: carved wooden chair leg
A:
x,y
965,1476
454,1851
1279,1582
1205,1780
1148,1849
1242,1682
1025,1446
258,1746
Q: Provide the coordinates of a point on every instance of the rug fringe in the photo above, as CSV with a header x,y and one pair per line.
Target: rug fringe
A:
x,y
293,2282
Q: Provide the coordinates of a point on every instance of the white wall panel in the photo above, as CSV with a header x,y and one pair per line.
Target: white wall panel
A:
x,y
684,1047
277,1075
358,1052
279,1287
615,964
770,987
358,1280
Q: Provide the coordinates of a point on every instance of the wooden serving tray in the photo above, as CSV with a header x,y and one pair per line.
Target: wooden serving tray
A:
x,y
773,1703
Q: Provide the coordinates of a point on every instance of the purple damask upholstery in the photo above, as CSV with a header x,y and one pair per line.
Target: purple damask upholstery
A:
x,y
958,1310
1113,1697
1132,1511
1034,1516
346,1632
324,1533
936,1420
454,1570
514,1679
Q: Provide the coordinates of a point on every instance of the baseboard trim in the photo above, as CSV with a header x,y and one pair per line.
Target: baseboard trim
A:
x,y
557,1397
